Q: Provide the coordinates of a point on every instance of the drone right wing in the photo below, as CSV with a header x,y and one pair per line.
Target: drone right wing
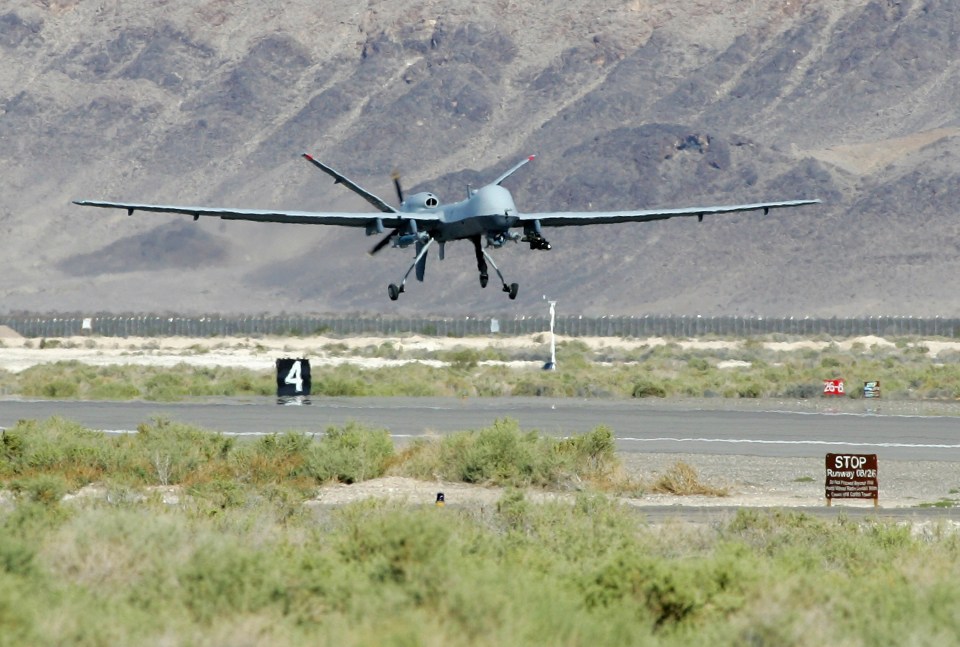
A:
x,y
580,218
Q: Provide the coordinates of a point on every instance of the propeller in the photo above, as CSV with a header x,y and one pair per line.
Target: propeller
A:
x,y
396,184
383,242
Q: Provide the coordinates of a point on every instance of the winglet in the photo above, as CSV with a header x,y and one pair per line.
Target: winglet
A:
x,y
513,170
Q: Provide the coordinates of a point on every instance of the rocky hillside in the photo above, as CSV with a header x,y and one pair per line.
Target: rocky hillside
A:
x,y
627,103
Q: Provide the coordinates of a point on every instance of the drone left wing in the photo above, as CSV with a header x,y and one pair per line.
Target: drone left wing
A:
x,y
372,221
579,218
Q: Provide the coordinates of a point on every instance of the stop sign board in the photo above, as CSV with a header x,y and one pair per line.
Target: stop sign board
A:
x,y
852,476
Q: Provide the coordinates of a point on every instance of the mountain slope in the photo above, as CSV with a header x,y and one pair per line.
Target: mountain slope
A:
x,y
627,104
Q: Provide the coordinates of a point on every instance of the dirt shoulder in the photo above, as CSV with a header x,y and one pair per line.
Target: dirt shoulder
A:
x,y
750,481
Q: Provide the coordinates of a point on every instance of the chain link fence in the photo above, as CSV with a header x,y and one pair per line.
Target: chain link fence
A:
x,y
569,325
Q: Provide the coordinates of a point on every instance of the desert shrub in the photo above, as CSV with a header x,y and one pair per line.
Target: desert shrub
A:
x,y
223,578
683,479
350,454
593,454
463,359
648,389
166,387
275,459
46,489
218,493
17,557
534,388
503,454
698,364
513,509
803,391
168,452
588,573
573,355
113,390
32,447
749,389
392,545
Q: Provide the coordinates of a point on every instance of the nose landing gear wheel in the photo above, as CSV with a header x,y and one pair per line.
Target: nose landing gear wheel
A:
x,y
512,290
393,291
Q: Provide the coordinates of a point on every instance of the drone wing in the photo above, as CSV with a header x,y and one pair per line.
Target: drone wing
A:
x,y
579,218
372,221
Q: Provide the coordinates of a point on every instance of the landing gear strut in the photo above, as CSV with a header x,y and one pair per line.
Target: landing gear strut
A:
x,y
509,289
482,258
394,291
481,261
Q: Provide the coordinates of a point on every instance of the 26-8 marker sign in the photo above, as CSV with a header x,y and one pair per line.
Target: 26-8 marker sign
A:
x,y
833,387
293,377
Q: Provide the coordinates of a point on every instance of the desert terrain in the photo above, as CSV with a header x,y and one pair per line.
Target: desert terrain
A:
x,y
640,104
750,481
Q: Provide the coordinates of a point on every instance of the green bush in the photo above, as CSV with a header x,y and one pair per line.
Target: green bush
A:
x,y
593,454
350,454
664,371
166,387
593,572
503,454
647,389
463,359
46,489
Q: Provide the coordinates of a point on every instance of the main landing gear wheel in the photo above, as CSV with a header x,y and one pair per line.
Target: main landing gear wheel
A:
x,y
393,291
512,290
483,280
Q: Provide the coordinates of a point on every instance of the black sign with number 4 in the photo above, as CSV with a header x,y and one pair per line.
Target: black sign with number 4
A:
x,y
293,377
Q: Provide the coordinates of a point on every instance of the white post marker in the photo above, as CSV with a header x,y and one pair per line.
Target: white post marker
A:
x,y
552,364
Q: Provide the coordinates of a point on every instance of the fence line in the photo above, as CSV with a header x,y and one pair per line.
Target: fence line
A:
x,y
569,325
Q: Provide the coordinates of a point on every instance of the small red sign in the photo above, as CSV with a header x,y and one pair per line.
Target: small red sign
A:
x,y
833,387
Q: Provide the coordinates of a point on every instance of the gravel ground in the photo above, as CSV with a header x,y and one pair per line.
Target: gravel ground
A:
x,y
750,482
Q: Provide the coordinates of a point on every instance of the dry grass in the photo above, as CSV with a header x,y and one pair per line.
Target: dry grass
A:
x,y
683,480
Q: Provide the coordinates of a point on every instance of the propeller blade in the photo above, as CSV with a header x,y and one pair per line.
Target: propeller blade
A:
x,y
396,184
382,242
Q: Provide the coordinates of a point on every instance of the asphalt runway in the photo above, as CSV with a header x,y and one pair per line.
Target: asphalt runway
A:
x,y
639,426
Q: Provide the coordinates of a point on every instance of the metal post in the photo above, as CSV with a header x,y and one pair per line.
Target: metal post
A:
x,y
552,364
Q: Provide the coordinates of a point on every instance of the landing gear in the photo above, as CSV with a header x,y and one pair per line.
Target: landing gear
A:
x,y
482,258
509,289
481,261
394,291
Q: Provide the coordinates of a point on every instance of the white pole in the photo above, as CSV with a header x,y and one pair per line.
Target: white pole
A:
x,y
553,340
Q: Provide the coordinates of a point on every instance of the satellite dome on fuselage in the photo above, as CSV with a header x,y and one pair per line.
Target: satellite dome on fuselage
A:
x,y
421,202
